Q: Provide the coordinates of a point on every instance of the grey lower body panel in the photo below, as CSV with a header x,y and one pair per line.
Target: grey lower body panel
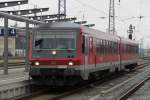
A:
x,y
56,76
75,72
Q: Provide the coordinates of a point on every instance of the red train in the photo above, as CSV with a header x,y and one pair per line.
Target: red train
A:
x,y
65,53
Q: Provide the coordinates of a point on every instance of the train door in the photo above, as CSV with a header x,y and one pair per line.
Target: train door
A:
x,y
92,55
120,54
85,50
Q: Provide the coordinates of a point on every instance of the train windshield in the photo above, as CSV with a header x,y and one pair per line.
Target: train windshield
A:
x,y
55,40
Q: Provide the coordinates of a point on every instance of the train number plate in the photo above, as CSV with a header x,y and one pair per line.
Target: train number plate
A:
x,y
53,63
62,66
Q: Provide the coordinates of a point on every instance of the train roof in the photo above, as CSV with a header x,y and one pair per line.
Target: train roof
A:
x,y
60,25
100,34
71,25
108,36
93,32
129,41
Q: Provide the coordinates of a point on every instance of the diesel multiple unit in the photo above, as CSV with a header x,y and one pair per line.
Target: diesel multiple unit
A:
x,y
65,53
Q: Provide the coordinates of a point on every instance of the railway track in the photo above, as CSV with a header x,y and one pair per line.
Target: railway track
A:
x,y
13,65
13,61
50,96
13,57
133,89
61,94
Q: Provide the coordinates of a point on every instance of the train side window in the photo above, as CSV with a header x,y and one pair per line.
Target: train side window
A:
x,y
83,44
106,47
110,47
97,46
91,43
125,48
122,47
101,50
137,49
115,47
103,47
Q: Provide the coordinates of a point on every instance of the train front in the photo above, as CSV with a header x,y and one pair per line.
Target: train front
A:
x,y
54,56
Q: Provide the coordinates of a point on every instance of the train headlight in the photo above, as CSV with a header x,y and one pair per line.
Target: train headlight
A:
x,y
37,63
53,52
70,63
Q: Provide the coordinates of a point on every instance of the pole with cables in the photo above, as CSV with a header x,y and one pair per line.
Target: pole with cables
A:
x,y
111,27
61,9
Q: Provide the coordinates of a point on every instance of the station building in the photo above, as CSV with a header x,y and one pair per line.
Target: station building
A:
x,y
11,46
11,42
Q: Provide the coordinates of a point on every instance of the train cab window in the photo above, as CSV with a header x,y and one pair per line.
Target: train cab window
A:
x,y
50,40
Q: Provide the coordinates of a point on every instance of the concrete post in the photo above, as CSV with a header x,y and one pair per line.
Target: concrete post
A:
x,y
27,47
5,46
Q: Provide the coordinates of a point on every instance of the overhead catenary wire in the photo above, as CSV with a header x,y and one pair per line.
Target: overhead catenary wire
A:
x,y
92,7
140,14
97,10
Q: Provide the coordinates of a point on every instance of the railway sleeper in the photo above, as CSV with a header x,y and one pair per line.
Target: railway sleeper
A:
x,y
131,66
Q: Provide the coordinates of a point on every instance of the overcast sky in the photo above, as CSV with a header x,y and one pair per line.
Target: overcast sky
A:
x,y
92,10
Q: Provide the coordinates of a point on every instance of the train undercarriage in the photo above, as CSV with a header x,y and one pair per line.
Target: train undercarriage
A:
x,y
67,77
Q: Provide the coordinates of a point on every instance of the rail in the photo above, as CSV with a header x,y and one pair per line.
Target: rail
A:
x,y
74,90
133,89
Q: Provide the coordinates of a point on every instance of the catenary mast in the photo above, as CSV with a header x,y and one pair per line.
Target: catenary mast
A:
x,y
111,27
62,8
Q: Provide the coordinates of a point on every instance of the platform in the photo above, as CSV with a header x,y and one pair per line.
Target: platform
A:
x,y
13,74
14,84
13,61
